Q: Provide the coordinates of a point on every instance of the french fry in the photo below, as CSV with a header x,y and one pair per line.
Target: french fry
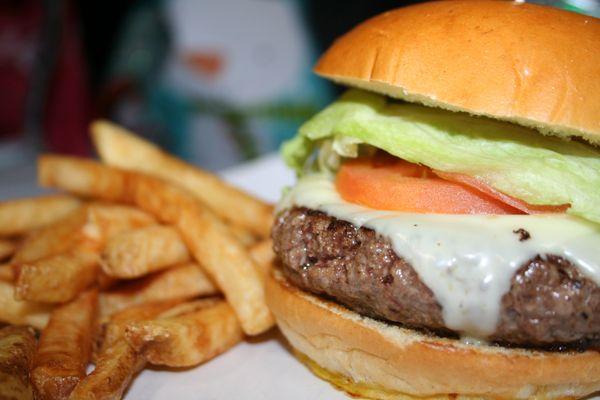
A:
x,y
106,282
137,252
57,262
7,273
23,215
7,248
92,224
57,279
188,307
115,328
120,148
64,348
263,255
105,220
115,368
177,283
208,238
20,312
117,361
188,339
243,235
17,347
225,260
52,239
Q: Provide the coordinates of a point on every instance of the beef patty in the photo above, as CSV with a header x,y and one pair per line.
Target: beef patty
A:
x,y
550,303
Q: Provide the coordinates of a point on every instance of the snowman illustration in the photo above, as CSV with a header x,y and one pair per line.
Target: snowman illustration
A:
x,y
243,70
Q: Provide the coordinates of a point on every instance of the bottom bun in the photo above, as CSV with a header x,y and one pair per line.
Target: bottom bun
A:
x,y
369,358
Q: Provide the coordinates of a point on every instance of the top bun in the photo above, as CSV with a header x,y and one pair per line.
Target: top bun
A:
x,y
532,65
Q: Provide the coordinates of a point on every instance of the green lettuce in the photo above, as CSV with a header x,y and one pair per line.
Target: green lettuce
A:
x,y
518,161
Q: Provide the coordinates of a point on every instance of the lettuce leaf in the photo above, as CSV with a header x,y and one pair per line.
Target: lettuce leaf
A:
x,y
515,160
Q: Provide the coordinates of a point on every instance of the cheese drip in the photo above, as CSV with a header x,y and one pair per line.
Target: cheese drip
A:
x,y
467,261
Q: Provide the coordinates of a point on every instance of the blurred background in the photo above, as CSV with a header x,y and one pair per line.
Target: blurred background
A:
x,y
217,82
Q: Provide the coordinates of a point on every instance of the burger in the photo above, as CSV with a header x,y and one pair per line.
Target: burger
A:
x,y
443,236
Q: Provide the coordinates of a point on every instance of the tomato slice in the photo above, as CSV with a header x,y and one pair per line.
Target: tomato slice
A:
x,y
389,183
516,203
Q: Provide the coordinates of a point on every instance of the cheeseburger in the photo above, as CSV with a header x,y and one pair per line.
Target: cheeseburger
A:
x,y
443,237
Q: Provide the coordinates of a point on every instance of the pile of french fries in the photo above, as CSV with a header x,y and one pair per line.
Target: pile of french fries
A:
x,y
143,260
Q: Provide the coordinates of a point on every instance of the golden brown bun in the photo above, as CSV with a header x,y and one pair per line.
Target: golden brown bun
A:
x,y
533,65
376,360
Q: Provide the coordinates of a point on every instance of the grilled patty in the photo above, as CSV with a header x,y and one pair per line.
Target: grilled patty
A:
x,y
550,303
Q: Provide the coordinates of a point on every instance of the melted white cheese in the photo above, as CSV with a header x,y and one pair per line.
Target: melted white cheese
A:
x,y
467,261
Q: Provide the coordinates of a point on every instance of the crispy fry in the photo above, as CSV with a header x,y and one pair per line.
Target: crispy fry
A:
x,y
57,262
263,255
116,361
7,248
115,367
57,279
242,234
230,266
17,347
115,328
122,149
180,282
92,224
20,216
19,312
189,307
207,237
188,339
105,220
225,260
106,282
137,252
65,347
7,273
52,239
